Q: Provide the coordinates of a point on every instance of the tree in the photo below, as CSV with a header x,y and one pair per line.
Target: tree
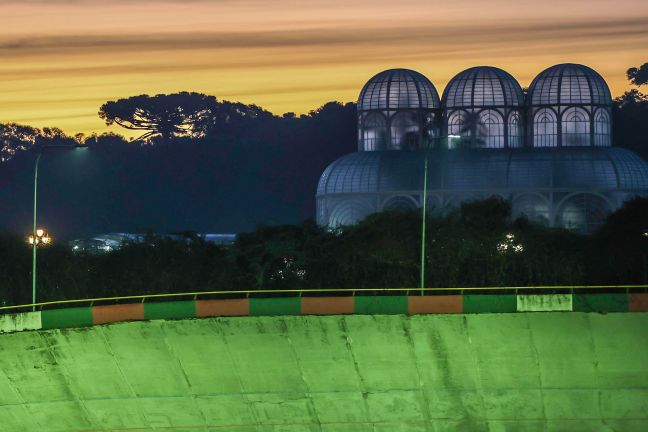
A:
x,y
638,76
14,138
166,116
473,131
632,97
630,114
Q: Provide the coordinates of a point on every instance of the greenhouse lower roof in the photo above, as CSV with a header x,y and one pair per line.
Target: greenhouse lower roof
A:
x,y
588,168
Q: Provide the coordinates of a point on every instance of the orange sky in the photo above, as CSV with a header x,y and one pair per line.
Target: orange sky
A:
x,y
61,59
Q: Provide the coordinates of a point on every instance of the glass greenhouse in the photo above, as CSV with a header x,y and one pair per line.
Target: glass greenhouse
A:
x,y
548,153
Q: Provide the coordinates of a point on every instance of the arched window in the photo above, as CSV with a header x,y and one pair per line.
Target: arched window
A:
x,y
349,212
575,128
490,132
583,212
602,128
515,131
404,131
545,126
400,203
534,207
374,132
457,128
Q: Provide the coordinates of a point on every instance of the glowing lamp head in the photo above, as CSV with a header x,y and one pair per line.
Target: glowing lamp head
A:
x,y
40,232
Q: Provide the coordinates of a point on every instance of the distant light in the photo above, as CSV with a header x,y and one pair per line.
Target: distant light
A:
x,y
509,245
41,238
454,136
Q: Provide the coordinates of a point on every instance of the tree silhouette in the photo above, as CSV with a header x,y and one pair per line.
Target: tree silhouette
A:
x,y
14,138
474,129
164,115
638,76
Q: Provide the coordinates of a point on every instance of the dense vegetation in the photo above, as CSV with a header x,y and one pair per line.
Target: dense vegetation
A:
x,y
382,251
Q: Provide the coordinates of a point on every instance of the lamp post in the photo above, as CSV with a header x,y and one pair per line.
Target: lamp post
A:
x,y
35,233
644,234
425,170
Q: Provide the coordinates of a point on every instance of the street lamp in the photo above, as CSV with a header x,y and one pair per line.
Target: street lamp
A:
x,y
644,234
41,238
35,233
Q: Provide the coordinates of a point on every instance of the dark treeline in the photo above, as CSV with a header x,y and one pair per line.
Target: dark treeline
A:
x,y
228,168
382,251
249,168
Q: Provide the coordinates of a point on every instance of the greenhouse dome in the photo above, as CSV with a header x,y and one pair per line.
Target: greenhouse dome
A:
x,y
483,108
549,154
569,105
397,109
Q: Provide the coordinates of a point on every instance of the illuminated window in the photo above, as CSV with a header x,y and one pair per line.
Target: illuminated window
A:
x,y
404,131
545,128
491,129
575,128
601,128
515,131
374,130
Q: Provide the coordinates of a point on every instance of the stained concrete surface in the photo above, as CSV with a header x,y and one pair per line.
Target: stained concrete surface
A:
x,y
548,371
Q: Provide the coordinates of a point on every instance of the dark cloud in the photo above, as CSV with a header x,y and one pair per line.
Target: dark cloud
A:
x,y
440,38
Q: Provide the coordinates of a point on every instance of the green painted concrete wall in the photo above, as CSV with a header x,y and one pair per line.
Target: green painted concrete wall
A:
x,y
356,373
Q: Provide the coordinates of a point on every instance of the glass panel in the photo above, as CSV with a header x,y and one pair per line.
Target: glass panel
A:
x,y
490,132
400,203
456,128
602,129
534,207
404,131
374,132
515,131
545,128
575,128
583,212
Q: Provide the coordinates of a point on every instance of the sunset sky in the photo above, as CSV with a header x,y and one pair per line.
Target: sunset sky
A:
x,y
61,59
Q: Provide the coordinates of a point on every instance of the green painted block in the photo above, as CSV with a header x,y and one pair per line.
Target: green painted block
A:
x,y
601,302
489,303
170,310
385,305
275,306
61,318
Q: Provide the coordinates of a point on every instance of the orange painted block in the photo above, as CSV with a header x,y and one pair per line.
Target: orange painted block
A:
x,y
116,313
638,302
327,305
435,304
226,307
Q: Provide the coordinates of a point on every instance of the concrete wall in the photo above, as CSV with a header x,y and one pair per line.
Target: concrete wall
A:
x,y
558,371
